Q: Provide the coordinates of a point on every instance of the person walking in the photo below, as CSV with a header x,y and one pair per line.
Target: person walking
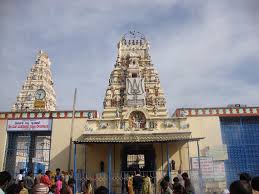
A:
x,y
29,182
40,188
130,183
58,185
23,190
43,186
168,179
179,176
19,177
12,189
177,186
240,187
146,186
178,189
38,177
52,189
46,179
255,184
58,174
88,189
244,176
137,182
69,187
187,184
5,178
165,187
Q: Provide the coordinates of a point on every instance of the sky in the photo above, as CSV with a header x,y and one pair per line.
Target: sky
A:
x,y
206,52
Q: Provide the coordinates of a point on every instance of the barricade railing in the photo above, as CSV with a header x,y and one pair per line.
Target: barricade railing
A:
x,y
202,183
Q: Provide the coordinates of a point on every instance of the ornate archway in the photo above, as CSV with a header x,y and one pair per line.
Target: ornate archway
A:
x,y
137,119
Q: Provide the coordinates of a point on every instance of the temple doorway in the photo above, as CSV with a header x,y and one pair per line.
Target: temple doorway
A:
x,y
138,157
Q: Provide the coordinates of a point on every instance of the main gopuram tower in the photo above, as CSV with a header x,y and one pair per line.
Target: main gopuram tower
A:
x,y
134,83
135,130
37,93
134,98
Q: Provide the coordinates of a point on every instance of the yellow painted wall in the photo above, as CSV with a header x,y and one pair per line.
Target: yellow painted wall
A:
x,y
3,139
60,140
177,152
208,127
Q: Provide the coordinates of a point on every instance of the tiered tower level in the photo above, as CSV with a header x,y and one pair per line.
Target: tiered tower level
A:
x,y
38,85
134,83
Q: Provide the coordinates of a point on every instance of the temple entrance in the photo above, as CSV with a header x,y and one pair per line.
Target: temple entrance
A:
x,y
138,157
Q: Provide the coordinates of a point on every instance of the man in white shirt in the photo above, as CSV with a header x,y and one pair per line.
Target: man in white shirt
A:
x,y
179,176
5,178
19,177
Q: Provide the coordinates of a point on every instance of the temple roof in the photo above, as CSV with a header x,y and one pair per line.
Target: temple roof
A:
x,y
135,137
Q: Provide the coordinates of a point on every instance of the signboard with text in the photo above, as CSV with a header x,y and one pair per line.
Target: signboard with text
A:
x,y
206,166
29,125
219,170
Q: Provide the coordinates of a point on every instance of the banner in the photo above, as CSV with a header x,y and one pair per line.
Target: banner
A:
x,y
29,125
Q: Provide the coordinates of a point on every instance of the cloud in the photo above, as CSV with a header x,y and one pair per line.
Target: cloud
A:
x,y
206,53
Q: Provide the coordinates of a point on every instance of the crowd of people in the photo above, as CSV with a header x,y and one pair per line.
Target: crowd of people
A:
x,y
182,184
48,183
138,184
245,185
62,182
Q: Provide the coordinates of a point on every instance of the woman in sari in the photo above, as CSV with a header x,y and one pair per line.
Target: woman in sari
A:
x,y
130,184
146,185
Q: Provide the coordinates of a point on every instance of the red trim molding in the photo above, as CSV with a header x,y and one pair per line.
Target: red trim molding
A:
x,y
217,111
90,114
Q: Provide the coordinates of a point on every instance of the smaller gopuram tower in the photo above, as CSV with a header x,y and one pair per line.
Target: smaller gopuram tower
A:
x,y
37,93
134,83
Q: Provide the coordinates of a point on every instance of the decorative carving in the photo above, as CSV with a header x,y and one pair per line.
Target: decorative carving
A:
x,y
183,113
155,109
103,125
152,124
156,91
137,119
168,124
117,113
90,115
135,91
134,82
150,101
184,125
122,124
87,127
